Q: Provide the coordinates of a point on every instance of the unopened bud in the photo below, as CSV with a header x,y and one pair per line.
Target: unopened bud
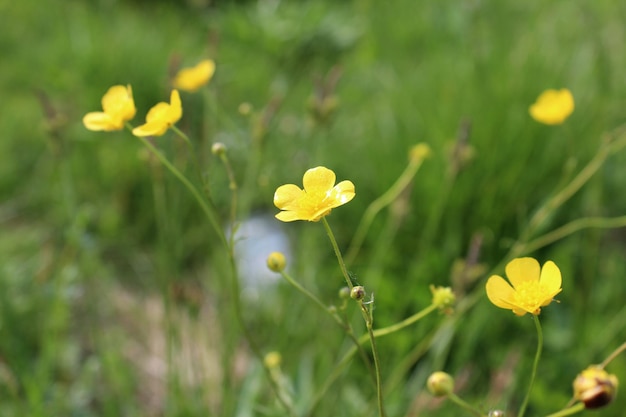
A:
x,y
443,297
245,108
357,293
440,384
272,360
419,152
218,149
595,387
276,262
496,413
344,293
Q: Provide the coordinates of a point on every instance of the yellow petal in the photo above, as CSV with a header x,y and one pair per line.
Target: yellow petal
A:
x,y
118,102
191,79
288,216
318,180
158,113
286,196
553,106
176,109
551,278
520,270
99,121
342,193
499,292
156,128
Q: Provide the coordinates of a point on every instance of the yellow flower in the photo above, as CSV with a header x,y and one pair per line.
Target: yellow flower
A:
x,y
319,197
191,79
161,117
595,387
553,106
118,107
533,287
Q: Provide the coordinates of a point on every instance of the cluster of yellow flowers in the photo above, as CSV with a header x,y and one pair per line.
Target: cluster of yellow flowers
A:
x,y
118,105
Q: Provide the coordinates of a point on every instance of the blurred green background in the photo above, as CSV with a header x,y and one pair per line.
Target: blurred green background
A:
x,y
112,301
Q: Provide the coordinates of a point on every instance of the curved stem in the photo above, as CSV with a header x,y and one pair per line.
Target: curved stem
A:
x,y
522,409
569,411
466,406
333,242
377,205
367,316
208,211
613,355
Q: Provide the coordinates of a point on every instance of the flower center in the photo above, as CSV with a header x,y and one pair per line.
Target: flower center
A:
x,y
530,295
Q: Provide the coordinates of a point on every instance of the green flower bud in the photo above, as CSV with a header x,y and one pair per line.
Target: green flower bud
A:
x,y
344,293
272,360
357,293
595,387
443,297
440,384
419,152
276,262
218,149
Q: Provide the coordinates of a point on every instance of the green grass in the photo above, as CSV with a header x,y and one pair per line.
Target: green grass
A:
x,y
106,260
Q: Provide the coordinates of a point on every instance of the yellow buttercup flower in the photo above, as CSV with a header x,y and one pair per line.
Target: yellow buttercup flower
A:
x,y
191,79
118,107
532,287
161,117
319,196
553,106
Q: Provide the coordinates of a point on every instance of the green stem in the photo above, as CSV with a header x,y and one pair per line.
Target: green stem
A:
x,y
210,214
333,242
466,406
367,316
613,355
573,227
377,205
522,409
569,411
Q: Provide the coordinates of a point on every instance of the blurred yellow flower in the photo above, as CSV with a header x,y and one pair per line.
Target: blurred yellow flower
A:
x,y
118,107
319,196
161,117
532,287
553,106
191,79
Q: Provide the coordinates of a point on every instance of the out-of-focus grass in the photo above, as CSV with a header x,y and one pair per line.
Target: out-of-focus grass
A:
x,y
78,208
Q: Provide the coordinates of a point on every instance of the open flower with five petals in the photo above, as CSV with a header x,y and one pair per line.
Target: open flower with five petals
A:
x,y
191,79
319,196
161,117
553,106
118,107
530,288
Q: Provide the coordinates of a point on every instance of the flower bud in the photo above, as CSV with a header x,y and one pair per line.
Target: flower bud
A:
x,y
218,149
357,293
443,297
344,293
595,387
276,262
440,384
245,109
419,152
272,360
496,413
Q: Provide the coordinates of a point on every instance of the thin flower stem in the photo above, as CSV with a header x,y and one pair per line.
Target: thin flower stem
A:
x,y
333,242
522,409
466,406
344,325
573,227
613,355
569,411
380,203
367,316
363,339
208,211
232,185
